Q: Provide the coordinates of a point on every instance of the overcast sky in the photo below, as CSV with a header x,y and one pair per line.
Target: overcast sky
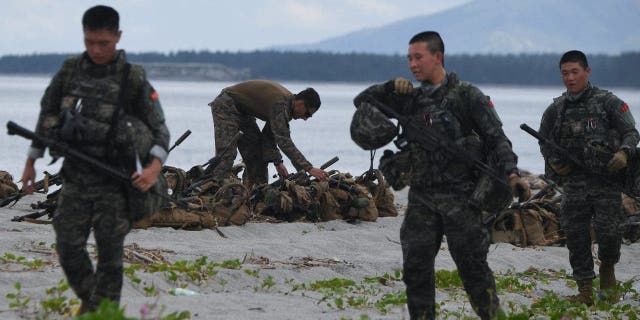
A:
x,y
30,26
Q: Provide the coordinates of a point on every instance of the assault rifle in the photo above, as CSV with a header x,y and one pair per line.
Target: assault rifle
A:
x,y
48,207
577,162
491,218
43,184
302,173
417,131
68,151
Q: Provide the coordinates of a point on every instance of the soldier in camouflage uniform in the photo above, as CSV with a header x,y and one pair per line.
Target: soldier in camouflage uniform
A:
x,y
597,127
440,187
236,109
87,89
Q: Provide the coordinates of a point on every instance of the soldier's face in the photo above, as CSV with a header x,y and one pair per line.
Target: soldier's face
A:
x,y
300,110
101,44
422,63
574,76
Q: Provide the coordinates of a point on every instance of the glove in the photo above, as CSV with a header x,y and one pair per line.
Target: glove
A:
x,y
617,162
402,86
520,188
562,169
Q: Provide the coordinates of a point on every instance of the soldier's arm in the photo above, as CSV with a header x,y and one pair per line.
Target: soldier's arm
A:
x,y
49,118
622,120
383,93
148,109
488,125
279,123
546,130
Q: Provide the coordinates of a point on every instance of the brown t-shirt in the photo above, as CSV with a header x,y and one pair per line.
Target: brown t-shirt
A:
x,y
257,97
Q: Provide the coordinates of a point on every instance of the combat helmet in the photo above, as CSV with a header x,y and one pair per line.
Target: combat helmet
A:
x,y
370,128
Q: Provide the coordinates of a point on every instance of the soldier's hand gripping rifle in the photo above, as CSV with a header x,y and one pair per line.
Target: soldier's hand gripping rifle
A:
x,y
43,184
66,150
416,131
577,162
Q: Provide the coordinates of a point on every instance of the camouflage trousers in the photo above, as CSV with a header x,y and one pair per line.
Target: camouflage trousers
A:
x,y
429,216
227,121
81,208
579,212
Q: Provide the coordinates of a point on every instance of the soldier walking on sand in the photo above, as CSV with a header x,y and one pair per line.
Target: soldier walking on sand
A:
x,y
596,127
79,108
441,186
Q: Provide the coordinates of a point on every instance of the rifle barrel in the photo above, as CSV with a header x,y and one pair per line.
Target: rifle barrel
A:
x,y
184,136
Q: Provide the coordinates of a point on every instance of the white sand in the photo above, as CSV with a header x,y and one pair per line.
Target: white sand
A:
x,y
337,250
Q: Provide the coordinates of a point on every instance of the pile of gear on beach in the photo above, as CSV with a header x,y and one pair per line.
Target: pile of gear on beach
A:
x,y
208,203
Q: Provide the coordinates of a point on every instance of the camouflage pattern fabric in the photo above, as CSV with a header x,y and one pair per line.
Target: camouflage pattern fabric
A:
x,y
81,207
425,223
461,112
7,187
257,147
592,125
90,199
370,129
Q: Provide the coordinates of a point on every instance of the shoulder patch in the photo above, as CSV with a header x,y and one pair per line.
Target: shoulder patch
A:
x,y
624,108
154,95
490,103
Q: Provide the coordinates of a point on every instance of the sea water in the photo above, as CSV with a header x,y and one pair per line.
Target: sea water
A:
x,y
320,138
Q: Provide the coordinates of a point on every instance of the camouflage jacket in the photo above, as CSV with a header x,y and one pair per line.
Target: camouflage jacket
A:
x,y
459,111
92,92
272,103
591,125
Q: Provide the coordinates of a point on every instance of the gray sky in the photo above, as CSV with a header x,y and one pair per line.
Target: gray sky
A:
x,y
39,26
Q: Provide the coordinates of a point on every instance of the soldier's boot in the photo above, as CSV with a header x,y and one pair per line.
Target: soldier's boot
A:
x,y
585,292
608,283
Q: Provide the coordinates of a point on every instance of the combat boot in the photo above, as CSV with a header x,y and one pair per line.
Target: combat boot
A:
x,y
608,283
585,295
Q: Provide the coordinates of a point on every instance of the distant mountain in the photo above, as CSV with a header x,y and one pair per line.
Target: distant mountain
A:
x,y
506,26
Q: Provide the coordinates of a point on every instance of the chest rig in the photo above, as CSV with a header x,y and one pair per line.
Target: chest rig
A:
x,y
441,111
89,105
584,128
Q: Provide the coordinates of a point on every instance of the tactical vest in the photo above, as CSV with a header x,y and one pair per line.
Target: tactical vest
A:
x,y
583,127
442,112
90,97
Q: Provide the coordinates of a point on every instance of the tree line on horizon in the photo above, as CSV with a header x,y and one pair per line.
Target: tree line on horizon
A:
x,y
522,69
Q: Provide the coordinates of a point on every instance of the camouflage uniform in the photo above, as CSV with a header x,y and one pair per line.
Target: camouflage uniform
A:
x,y
90,199
591,125
236,109
440,188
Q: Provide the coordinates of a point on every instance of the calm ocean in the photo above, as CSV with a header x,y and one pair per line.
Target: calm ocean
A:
x,y
320,138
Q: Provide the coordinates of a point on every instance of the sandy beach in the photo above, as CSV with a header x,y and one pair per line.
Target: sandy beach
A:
x,y
281,271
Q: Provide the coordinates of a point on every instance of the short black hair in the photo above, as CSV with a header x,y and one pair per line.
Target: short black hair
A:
x,y
433,40
574,56
310,97
101,17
